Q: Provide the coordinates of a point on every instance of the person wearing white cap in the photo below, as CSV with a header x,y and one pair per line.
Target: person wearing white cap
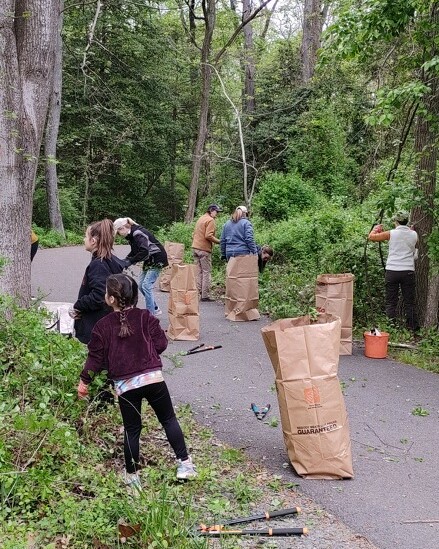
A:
x,y
237,237
144,247
202,244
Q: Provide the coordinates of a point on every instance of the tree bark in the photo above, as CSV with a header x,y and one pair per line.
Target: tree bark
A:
x,y
311,33
423,215
209,9
249,61
431,310
51,137
27,45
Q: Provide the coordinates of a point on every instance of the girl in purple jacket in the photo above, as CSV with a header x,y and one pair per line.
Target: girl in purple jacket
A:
x,y
128,343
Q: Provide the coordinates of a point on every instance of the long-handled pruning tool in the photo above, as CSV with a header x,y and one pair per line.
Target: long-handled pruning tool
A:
x,y
201,348
258,532
217,530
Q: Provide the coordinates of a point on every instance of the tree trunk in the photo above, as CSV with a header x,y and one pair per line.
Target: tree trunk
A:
x,y
173,152
311,33
249,61
431,310
209,9
27,45
423,215
52,128
87,175
248,100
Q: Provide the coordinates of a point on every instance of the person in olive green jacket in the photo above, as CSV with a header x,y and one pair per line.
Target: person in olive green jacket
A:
x,y
202,244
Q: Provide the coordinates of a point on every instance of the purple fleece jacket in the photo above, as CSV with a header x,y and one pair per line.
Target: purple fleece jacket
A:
x,y
125,357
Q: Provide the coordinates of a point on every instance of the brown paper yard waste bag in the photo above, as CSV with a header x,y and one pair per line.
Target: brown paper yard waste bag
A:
x,y
335,295
183,311
242,292
175,253
305,356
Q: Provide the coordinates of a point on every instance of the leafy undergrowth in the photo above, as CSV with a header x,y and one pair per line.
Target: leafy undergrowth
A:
x,y
61,459
49,238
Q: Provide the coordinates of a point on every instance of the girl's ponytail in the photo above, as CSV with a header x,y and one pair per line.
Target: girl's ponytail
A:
x,y
125,328
102,231
125,291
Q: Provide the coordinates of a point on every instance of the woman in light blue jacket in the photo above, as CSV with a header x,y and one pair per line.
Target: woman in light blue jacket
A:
x,y
237,237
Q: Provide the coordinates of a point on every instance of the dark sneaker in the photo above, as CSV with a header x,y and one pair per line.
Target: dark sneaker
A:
x,y
207,299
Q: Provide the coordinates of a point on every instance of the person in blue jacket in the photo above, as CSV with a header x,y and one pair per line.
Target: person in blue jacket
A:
x,y
90,305
237,237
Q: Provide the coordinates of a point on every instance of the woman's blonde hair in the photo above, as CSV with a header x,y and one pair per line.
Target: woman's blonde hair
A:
x,y
102,232
239,213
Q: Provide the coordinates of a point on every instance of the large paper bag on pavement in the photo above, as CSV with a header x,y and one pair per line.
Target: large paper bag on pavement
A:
x,y
183,309
335,295
184,327
315,427
175,253
242,292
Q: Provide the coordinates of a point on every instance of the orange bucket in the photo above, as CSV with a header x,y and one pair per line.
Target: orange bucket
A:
x,y
375,346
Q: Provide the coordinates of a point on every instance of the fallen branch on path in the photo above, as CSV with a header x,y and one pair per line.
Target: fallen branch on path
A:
x,y
420,521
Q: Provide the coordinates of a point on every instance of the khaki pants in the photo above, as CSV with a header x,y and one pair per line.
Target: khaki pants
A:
x,y
203,261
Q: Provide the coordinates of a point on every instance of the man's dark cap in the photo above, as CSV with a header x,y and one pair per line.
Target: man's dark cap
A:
x,y
214,207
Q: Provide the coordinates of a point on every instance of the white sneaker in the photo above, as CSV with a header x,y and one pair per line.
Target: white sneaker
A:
x,y
186,469
158,312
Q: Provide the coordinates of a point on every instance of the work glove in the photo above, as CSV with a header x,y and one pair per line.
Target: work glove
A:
x,y
82,390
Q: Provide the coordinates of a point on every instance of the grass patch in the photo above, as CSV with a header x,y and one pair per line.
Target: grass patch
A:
x,y
61,459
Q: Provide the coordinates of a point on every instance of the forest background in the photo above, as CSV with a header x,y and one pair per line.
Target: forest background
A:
x,y
320,116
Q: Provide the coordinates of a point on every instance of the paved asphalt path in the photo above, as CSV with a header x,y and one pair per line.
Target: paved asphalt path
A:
x,y
395,453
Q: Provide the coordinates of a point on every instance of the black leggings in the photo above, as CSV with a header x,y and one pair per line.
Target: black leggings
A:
x,y
158,398
406,281
33,250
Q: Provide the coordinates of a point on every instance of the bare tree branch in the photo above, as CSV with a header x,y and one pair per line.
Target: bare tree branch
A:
x,y
268,19
91,35
241,135
238,30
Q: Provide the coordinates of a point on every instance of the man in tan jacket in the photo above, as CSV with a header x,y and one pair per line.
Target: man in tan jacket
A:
x,y
202,243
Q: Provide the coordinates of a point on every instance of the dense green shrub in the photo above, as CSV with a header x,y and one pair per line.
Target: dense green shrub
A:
x,y
330,239
318,151
302,239
178,232
281,195
69,204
